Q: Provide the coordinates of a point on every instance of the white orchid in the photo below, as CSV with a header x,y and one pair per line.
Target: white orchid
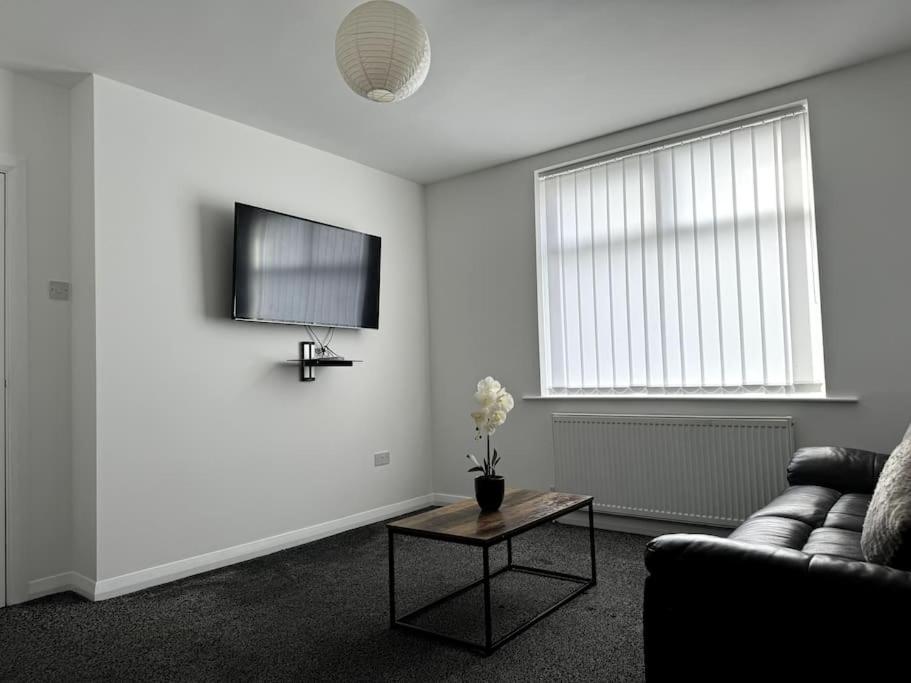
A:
x,y
495,403
488,391
497,417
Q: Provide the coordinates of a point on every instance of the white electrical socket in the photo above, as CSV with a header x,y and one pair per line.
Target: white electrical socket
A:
x,y
381,458
58,290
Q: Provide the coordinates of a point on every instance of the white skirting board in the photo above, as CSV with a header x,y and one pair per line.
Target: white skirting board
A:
x,y
448,498
67,581
641,526
153,576
164,573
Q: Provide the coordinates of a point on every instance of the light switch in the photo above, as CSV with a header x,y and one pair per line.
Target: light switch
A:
x,y
59,291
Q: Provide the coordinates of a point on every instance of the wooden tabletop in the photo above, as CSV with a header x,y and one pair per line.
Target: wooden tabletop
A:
x,y
465,523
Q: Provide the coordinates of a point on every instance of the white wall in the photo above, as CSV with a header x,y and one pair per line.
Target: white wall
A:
x,y
34,128
204,439
483,284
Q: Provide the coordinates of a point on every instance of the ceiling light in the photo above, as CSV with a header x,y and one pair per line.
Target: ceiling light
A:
x,y
382,51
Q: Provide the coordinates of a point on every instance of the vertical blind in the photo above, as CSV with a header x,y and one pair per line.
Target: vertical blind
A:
x,y
684,266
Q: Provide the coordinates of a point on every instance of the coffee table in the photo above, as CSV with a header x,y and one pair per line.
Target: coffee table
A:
x,y
464,523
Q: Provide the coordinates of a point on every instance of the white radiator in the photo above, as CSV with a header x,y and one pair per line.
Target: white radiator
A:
x,y
704,470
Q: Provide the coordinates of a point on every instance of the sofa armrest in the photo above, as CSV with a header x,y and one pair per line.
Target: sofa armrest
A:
x,y
704,595
714,606
860,585
702,554
752,566
849,470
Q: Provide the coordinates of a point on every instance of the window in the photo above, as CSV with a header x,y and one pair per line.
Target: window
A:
x,y
684,266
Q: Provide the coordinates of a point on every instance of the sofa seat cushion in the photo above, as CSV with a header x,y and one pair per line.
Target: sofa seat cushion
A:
x,y
816,520
778,531
849,512
837,542
807,504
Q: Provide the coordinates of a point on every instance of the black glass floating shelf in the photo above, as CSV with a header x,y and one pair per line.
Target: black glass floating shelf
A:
x,y
307,362
326,362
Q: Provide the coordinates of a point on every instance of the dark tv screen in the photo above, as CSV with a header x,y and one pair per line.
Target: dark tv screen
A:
x,y
297,271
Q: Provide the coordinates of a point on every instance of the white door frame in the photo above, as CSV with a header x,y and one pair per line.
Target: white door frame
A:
x,y
3,411
14,273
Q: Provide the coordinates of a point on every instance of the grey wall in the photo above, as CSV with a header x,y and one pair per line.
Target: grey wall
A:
x,y
481,259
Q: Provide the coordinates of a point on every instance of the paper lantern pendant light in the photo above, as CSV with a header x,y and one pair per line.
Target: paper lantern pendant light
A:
x,y
382,51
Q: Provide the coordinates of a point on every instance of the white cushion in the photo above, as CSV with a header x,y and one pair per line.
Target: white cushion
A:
x,y
887,526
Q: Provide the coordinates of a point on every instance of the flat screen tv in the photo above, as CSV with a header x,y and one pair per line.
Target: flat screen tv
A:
x,y
300,272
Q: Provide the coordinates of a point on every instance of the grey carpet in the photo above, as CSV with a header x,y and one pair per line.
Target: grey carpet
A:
x,y
319,612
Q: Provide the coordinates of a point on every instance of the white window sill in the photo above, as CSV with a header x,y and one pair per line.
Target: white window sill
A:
x,y
782,398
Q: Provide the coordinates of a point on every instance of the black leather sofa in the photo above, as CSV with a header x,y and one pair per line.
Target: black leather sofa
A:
x,y
788,594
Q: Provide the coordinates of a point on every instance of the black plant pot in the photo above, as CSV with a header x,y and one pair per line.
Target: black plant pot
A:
x,y
488,491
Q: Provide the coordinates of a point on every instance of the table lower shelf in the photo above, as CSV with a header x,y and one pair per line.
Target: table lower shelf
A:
x,y
584,583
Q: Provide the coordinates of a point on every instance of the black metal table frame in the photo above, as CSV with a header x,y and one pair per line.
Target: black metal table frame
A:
x,y
490,645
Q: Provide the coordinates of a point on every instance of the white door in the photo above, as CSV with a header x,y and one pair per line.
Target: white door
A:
x,y
3,395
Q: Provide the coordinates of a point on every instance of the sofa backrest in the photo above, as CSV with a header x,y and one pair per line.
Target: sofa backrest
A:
x,y
849,470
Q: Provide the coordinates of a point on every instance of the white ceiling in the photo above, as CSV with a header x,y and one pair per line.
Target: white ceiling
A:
x,y
508,78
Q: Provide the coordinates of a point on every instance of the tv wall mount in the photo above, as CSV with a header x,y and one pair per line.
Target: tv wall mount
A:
x,y
307,361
